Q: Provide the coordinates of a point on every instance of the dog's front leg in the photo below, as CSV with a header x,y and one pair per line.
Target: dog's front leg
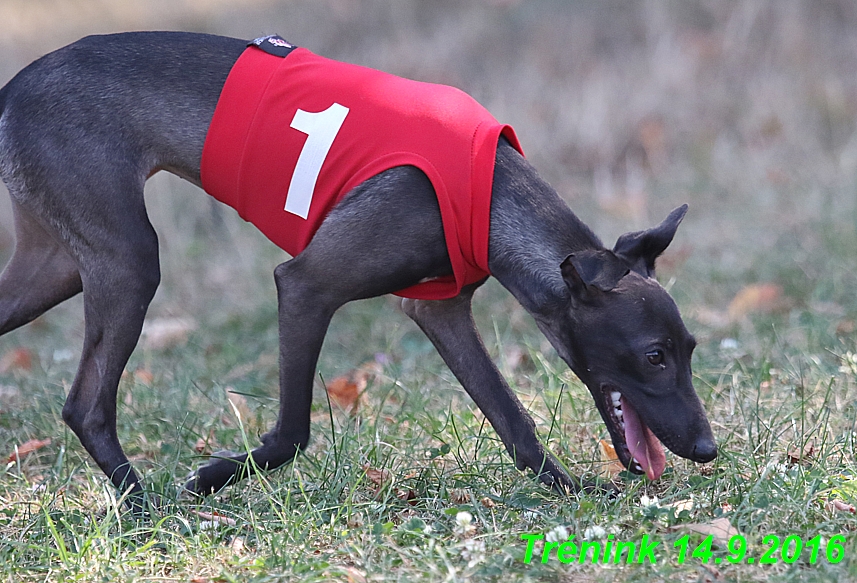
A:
x,y
304,316
384,236
449,325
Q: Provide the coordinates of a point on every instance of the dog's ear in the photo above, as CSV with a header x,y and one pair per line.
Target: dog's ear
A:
x,y
640,249
591,271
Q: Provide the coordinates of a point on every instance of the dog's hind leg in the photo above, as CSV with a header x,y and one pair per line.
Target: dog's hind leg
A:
x,y
449,325
61,251
40,275
118,284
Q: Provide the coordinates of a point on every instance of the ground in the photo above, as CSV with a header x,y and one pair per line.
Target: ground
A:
x,y
745,110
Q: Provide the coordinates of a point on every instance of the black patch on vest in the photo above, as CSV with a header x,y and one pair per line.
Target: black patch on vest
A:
x,y
273,44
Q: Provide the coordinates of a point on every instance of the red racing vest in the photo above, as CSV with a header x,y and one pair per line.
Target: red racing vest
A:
x,y
293,135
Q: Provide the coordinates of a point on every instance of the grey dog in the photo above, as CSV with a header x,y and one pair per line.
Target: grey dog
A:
x,y
82,129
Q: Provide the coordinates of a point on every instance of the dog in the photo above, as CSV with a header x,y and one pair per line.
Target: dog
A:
x,y
81,130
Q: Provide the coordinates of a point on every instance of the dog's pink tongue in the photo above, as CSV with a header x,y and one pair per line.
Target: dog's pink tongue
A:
x,y
642,443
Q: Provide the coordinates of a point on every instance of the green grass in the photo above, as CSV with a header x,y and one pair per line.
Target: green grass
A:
x,y
756,105
788,383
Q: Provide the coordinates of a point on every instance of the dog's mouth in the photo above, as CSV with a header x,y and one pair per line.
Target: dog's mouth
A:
x,y
636,446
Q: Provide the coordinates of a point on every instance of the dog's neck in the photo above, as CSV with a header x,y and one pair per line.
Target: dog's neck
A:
x,y
532,232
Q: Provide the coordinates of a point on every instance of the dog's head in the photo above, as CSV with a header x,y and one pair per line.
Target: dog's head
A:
x,y
626,341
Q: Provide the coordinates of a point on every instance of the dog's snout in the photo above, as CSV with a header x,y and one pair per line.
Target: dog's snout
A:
x,y
704,450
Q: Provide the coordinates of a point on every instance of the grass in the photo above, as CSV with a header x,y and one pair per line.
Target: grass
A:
x,y
773,385
744,109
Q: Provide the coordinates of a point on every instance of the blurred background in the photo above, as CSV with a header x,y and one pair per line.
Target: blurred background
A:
x,y
745,109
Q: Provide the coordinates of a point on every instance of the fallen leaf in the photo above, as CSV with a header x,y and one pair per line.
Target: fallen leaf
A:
x,y
344,393
721,528
377,477
16,359
803,457
610,465
161,333
345,390
487,502
27,448
408,496
761,298
841,506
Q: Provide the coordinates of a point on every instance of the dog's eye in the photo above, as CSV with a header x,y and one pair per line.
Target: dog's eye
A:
x,y
656,357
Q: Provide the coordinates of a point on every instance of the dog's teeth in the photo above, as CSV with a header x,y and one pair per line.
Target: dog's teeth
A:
x,y
618,413
622,426
615,396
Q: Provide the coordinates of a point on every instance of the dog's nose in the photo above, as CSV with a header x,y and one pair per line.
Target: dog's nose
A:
x,y
704,450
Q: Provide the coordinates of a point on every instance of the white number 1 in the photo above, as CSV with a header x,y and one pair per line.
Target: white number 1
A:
x,y
321,129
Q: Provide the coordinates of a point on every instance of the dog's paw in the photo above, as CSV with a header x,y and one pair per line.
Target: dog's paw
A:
x,y
554,475
605,488
214,475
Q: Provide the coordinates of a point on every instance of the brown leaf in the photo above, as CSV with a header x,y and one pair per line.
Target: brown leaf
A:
x,y
344,393
487,502
803,457
377,477
841,506
27,448
408,496
610,465
347,389
721,528
20,359
761,298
